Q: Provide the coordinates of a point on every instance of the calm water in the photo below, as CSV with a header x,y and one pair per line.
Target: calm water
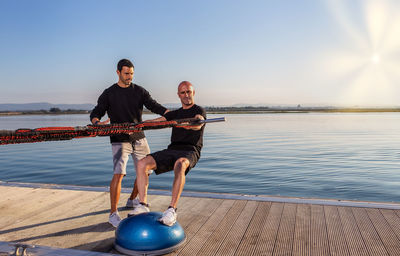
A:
x,y
318,155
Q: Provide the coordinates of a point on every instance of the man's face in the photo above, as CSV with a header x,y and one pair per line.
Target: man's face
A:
x,y
125,75
186,93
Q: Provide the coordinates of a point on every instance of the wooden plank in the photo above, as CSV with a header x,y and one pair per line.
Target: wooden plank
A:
x,y
231,242
64,220
44,200
194,217
372,240
78,219
194,245
215,240
94,228
14,193
393,220
15,205
301,242
284,240
266,241
186,205
248,243
19,198
388,237
198,217
337,241
319,237
352,234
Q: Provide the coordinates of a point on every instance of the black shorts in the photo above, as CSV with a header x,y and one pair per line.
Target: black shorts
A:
x,y
165,159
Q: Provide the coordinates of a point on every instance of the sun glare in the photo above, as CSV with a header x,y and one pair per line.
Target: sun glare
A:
x,y
376,58
367,78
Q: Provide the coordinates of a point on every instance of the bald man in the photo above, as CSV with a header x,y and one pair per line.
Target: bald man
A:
x,y
180,156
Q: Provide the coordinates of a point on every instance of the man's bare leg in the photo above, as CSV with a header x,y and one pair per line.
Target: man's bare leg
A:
x,y
134,192
169,216
179,180
115,191
142,177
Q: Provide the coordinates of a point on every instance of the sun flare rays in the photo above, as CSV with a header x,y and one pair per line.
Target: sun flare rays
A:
x,y
368,67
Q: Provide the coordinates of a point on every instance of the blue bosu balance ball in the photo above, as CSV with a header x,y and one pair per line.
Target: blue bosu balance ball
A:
x,y
144,234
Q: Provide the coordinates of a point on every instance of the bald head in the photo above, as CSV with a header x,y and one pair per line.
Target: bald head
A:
x,y
185,83
186,94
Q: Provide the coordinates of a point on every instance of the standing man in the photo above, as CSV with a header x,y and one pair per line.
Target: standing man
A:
x,y
181,155
123,102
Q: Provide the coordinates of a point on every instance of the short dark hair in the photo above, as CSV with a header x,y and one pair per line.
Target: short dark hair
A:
x,y
124,63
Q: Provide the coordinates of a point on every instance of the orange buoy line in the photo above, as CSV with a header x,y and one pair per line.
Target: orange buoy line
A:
x,y
67,133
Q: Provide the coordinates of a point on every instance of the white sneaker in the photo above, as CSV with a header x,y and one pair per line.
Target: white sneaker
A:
x,y
138,210
132,203
169,217
114,219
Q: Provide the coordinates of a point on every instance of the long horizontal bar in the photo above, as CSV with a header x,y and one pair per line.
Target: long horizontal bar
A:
x,y
213,120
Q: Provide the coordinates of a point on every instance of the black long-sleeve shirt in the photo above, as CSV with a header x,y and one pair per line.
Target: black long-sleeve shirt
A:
x,y
125,105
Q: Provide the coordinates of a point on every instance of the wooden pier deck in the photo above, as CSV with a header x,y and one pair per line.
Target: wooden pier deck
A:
x,y
77,219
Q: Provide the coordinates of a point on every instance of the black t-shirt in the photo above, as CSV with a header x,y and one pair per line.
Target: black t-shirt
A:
x,y
125,105
182,139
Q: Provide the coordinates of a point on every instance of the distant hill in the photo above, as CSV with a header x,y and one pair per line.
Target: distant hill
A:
x,y
43,106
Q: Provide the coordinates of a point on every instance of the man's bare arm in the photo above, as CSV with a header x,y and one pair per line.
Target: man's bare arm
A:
x,y
159,119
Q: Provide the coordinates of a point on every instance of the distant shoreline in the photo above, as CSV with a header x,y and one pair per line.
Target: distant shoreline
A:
x,y
298,110
223,110
43,112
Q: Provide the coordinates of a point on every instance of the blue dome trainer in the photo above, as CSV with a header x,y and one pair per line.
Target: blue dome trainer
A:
x,y
144,234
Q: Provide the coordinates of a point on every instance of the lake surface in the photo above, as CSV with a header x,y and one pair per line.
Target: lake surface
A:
x,y
353,156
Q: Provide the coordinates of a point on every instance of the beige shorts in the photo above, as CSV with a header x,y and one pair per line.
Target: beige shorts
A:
x,y
121,151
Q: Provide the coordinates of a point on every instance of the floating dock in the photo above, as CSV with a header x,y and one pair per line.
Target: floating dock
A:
x,y
53,217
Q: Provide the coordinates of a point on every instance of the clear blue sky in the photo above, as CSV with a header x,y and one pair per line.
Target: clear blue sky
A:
x,y
309,52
